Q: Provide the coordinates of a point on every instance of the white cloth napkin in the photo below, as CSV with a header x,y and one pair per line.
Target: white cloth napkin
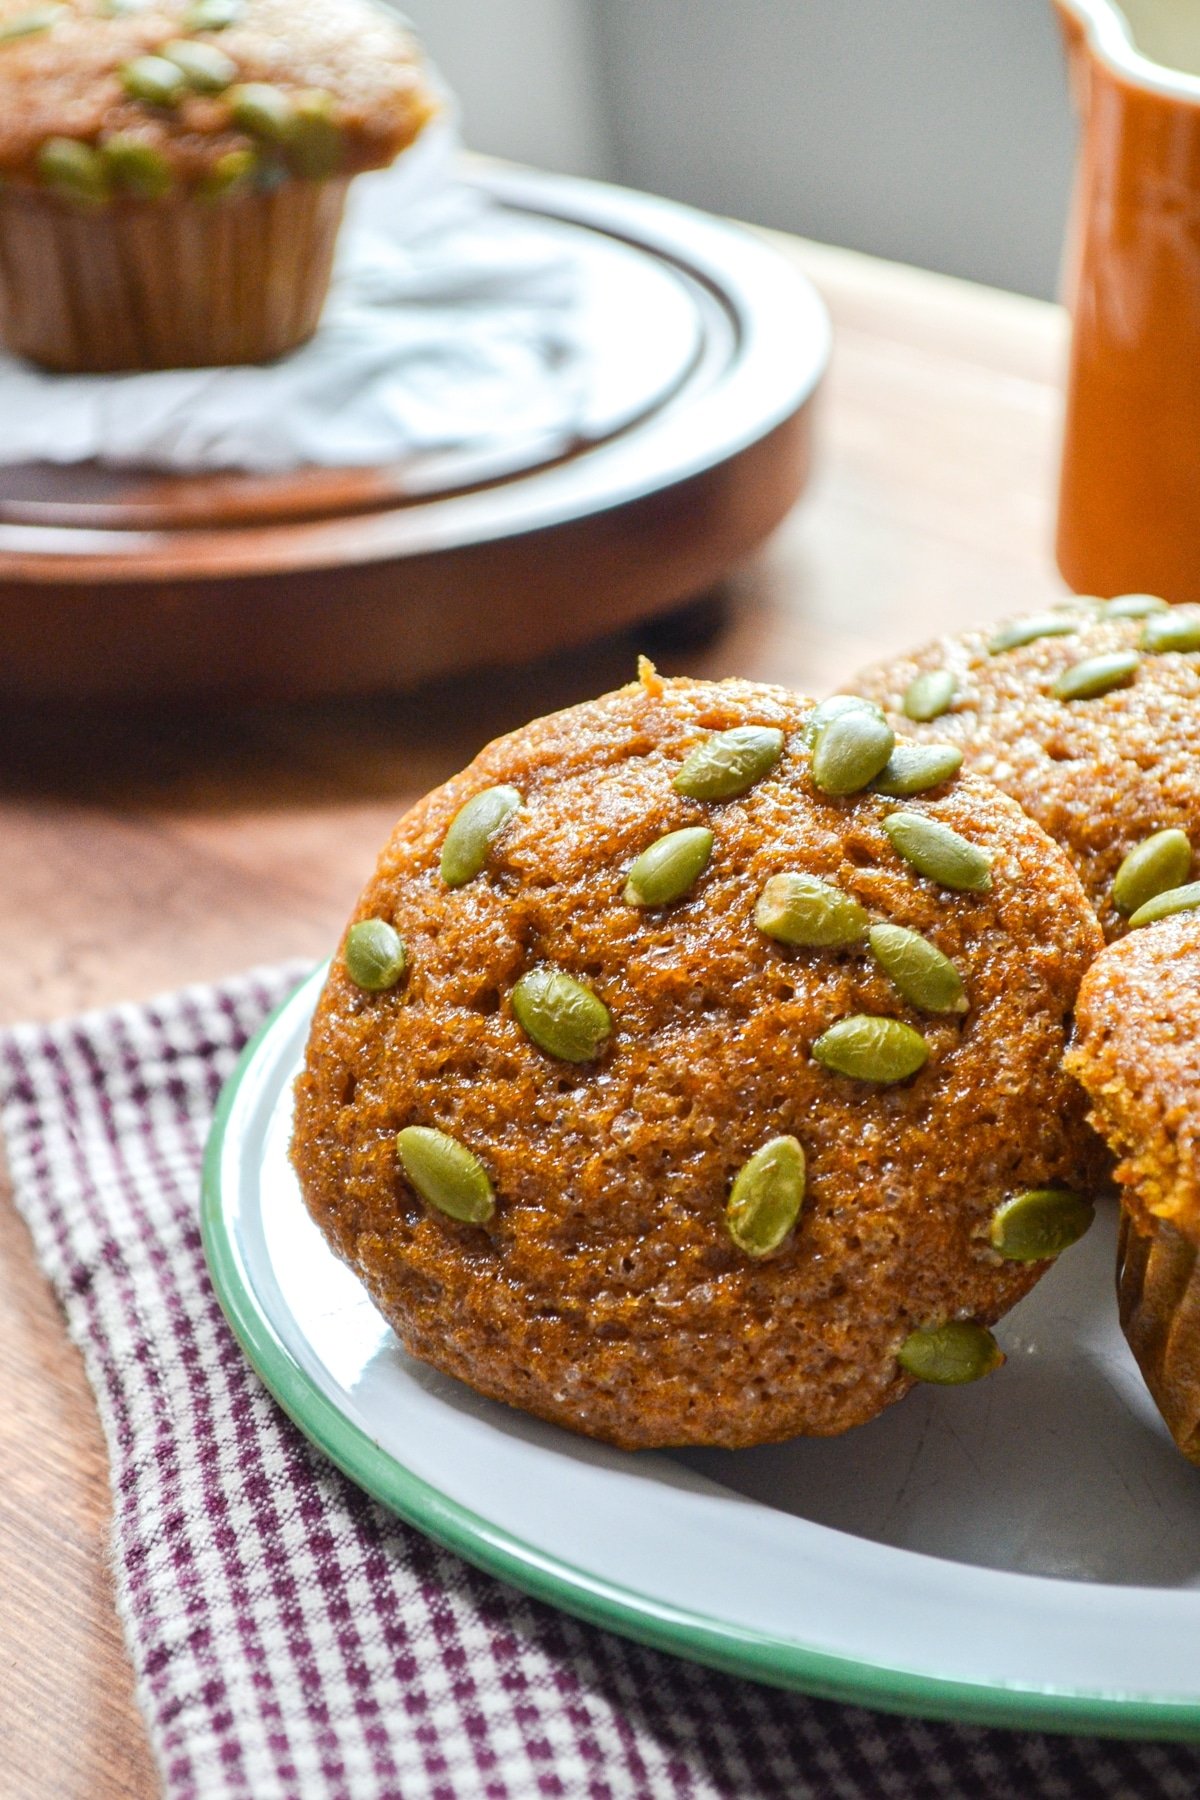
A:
x,y
454,324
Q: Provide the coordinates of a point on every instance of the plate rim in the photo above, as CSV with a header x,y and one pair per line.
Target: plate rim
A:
x,y
697,1637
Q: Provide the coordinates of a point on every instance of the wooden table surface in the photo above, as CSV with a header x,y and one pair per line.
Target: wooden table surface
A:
x,y
141,852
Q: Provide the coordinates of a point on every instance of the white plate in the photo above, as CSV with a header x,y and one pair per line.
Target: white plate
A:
x,y
1024,1552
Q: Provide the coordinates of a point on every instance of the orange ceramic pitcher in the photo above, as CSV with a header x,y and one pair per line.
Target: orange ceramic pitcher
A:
x,y
1129,503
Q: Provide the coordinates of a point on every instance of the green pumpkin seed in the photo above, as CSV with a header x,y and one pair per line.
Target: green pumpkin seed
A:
x,y
206,69
835,707
912,768
929,694
1156,864
136,167
1178,629
212,15
375,955
1166,905
75,171
869,1048
813,914
446,1174
934,850
670,867
950,1354
263,111
473,830
1038,1224
1096,675
729,763
315,145
31,23
922,973
1027,631
766,1197
1134,606
564,1018
154,80
231,174
850,751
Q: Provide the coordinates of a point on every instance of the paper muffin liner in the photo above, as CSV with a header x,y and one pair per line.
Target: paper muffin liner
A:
x,y
1158,1292
179,283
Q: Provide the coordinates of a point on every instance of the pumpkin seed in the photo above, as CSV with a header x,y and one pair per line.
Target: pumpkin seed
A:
x,y
766,1197
1166,905
850,751
670,867
934,850
473,830
31,23
446,1174
136,167
206,69
563,1018
950,1354
315,145
929,694
212,15
912,768
729,763
921,972
813,914
869,1048
74,170
1038,1224
375,955
262,110
1178,629
834,708
1096,675
1027,631
1134,606
154,80
1159,862
232,172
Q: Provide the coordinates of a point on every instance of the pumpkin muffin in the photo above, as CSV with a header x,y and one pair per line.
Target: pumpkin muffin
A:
x,y
1138,1055
173,172
1089,716
691,1071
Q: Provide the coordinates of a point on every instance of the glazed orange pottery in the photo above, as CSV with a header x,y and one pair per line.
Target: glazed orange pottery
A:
x,y
1129,502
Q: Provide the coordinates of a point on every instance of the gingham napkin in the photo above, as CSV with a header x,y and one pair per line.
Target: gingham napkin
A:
x,y
292,1640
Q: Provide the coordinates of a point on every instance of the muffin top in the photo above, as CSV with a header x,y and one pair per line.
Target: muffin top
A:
x,y
1137,1052
311,88
1089,716
728,1122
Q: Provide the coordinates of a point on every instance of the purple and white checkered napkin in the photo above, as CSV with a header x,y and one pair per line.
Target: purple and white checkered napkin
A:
x,y
293,1639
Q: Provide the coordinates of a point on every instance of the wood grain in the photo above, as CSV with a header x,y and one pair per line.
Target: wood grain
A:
x,y
144,849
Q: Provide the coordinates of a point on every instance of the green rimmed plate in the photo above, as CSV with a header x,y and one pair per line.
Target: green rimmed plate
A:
x,y
1022,1553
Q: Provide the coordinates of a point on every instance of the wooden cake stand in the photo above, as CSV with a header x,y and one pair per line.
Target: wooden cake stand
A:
x,y
135,585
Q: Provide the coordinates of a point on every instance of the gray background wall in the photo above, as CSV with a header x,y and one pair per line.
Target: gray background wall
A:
x,y
936,132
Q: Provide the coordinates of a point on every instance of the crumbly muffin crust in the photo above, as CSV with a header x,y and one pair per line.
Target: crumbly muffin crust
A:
x,y
1098,774
606,1293
1138,1056
1137,1052
65,81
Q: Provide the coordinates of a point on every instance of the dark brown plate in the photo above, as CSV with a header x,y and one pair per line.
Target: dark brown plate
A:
x,y
136,584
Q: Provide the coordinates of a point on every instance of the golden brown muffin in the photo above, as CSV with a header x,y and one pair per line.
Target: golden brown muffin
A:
x,y
172,174
1138,1055
1100,773
606,1291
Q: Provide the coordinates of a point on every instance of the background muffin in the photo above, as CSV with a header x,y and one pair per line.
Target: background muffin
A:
x,y
1138,1055
173,173
1089,716
720,1177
